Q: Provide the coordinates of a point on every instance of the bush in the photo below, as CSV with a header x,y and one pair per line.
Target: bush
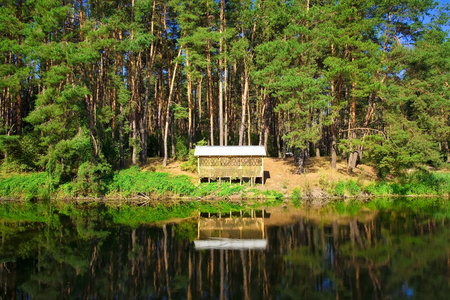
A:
x,y
419,183
352,188
191,164
296,196
22,153
339,190
181,151
89,179
379,189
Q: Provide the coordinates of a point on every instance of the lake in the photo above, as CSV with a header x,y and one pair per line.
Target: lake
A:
x,y
386,249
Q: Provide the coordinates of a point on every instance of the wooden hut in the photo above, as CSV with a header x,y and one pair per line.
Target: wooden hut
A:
x,y
230,162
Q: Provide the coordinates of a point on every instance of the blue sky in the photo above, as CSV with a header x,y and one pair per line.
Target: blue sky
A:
x,y
445,2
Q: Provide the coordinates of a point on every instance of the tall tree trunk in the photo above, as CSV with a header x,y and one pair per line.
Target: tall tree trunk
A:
x,y
353,156
199,98
19,65
166,127
244,107
121,153
335,96
447,151
190,102
280,120
249,125
134,103
333,126
121,117
221,30
145,114
226,98
210,82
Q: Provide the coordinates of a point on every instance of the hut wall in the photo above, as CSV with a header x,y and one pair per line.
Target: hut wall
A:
x,y
232,167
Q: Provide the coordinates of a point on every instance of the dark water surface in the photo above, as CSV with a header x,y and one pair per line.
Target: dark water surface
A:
x,y
274,253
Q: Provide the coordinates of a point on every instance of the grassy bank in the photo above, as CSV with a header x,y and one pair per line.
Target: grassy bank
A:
x,y
132,182
128,183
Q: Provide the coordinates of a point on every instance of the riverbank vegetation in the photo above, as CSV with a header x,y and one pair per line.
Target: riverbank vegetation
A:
x,y
134,183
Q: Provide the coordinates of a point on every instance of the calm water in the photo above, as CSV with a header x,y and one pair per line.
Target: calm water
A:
x,y
275,253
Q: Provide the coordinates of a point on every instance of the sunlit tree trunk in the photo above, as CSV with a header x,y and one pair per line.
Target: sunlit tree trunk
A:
x,y
221,30
169,103
244,107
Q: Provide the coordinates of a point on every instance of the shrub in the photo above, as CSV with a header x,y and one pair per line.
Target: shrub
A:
x,y
181,151
191,164
352,188
296,197
89,179
339,190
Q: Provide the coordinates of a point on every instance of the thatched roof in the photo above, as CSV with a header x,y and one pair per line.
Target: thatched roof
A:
x,y
230,151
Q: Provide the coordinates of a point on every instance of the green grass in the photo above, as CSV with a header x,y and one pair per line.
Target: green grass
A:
x,y
132,181
418,183
26,186
347,188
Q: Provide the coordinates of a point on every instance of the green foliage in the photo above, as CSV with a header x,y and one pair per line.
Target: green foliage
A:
x,y
181,151
347,188
273,198
132,182
418,183
228,190
191,164
296,197
21,153
340,189
381,188
27,186
64,159
353,188
89,180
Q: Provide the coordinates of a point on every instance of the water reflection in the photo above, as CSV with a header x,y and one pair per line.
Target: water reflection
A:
x,y
311,255
231,231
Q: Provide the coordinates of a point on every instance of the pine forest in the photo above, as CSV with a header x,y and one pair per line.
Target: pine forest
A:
x,y
88,87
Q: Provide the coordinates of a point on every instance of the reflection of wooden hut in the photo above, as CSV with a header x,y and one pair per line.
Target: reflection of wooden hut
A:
x,y
232,162
231,233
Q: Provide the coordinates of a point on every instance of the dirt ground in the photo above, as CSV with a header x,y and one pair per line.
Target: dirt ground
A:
x,y
281,174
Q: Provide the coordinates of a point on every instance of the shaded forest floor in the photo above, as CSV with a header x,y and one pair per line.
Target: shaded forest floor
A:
x,y
280,175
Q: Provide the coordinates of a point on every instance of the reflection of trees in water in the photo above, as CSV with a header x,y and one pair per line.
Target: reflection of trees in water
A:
x,y
394,255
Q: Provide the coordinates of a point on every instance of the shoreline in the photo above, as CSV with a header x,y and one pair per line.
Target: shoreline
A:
x,y
177,199
136,184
